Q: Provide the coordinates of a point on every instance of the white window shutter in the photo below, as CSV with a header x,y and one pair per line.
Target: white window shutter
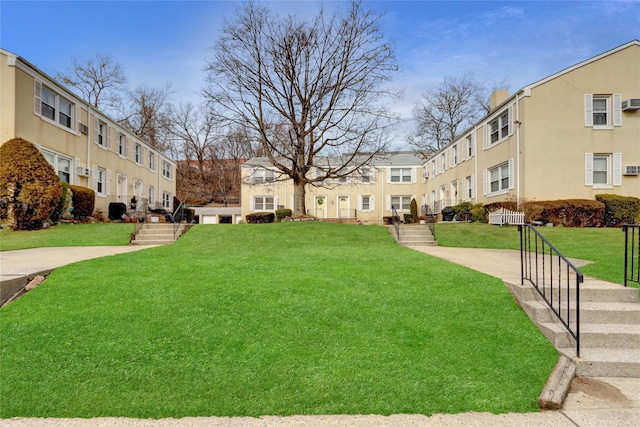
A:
x,y
95,179
485,136
388,175
37,100
253,203
388,203
484,182
511,183
617,109
617,169
510,120
108,186
413,175
588,111
372,204
109,137
588,169
95,130
472,183
126,147
275,202
78,122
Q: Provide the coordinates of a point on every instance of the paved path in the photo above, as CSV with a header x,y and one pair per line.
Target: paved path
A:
x,y
602,402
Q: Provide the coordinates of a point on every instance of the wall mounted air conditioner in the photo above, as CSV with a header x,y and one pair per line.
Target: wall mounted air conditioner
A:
x,y
632,170
631,104
83,128
425,175
83,171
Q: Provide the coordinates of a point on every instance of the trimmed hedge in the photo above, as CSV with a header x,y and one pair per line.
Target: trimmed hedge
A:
x,y
260,218
84,200
619,210
569,213
478,211
29,186
283,213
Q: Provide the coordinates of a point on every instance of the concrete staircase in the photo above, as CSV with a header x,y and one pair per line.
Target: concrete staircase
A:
x,y
609,327
158,233
413,235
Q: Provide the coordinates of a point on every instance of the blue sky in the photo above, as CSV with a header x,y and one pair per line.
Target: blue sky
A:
x,y
167,41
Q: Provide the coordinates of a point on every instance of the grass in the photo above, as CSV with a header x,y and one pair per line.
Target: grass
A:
x,y
603,246
98,234
279,319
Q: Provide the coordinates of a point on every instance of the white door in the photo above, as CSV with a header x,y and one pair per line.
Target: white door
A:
x,y
320,206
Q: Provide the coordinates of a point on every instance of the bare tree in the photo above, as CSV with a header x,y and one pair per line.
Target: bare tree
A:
x,y
98,79
305,89
145,113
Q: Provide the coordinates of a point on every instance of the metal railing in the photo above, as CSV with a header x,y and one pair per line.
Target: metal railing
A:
x,y
178,217
430,219
395,221
631,253
142,215
550,273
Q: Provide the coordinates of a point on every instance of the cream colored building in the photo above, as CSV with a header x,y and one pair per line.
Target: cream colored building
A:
x,y
85,147
572,135
366,194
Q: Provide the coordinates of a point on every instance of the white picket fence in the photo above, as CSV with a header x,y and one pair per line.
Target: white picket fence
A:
x,y
504,216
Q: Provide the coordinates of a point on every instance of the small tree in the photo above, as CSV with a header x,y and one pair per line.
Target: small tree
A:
x,y
28,184
414,210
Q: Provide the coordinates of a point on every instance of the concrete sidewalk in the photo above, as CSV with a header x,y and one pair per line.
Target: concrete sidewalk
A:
x,y
592,402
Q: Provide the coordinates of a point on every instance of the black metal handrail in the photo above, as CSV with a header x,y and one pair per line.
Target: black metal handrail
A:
x,y
178,216
631,253
430,219
550,274
395,221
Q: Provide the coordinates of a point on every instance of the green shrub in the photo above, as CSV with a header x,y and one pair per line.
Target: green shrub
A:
x,y
260,218
63,209
477,211
84,200
29,185
283,213
619,210
569,213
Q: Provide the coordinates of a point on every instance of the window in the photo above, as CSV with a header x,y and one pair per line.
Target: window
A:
x,y
499,128
101,133
365,175
468,187
366,203
53,106
603,170
122,145
499,178
166,169
401,202
137,153
263,203
60,163
433,169
100,181
166,200
264,175
152,161
454,155
469,146
443,162
401,175
603,111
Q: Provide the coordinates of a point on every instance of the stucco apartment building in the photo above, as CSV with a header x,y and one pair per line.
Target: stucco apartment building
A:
x,y
574,134
85,147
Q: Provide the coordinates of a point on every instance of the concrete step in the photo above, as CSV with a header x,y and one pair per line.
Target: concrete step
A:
x,y
605,362
590,291
595,335
590,312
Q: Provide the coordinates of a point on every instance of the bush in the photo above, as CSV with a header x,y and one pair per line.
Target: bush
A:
x,y
283,213
64,207
477,211
84,200
29,185
619,210
413,207
260,218
569,213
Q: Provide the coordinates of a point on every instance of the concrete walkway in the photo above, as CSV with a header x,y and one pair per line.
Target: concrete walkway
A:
x,y
593,402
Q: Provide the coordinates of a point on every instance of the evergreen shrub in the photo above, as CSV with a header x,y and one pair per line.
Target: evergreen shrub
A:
x,y
84,200
619,210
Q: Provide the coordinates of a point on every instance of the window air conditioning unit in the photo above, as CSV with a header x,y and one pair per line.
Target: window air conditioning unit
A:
x,y
83,171
425,175
631,104
632,170
83,128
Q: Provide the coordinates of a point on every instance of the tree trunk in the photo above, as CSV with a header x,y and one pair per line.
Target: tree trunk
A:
x,y
299,207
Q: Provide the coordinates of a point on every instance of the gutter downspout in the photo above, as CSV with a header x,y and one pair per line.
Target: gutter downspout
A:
x,y
518,123
89,145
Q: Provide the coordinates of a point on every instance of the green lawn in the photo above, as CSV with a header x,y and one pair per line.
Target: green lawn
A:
x,y
98,234
278,319
603,246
